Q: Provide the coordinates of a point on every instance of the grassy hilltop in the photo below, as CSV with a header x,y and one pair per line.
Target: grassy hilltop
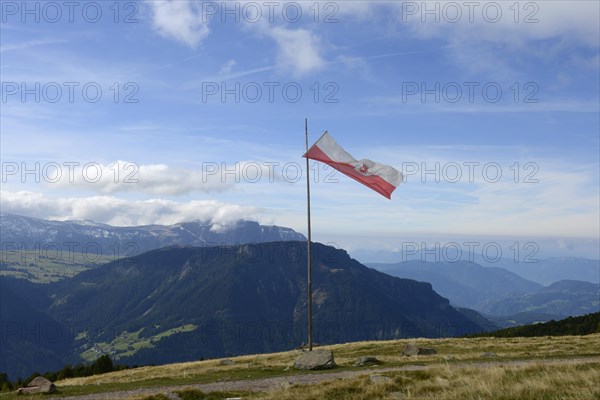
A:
x,y
566,367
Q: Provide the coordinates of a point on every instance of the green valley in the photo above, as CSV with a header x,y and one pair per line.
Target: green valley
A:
x,y
128,343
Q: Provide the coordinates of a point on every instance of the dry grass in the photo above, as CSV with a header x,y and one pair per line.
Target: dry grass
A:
x,y
187,370
534,382
449,351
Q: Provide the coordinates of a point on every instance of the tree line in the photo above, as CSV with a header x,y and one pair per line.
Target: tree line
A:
x,y
102,365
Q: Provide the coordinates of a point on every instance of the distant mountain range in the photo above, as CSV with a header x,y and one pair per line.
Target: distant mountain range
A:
x,y
503,296
33,233
550,270
542,271
184,303
563,298
464,283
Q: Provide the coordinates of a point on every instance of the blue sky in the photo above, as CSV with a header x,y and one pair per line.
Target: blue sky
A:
x,y
502,87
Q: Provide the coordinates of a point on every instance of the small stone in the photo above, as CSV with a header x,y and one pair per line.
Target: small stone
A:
x,y
316,359
378,378
227,361
366,361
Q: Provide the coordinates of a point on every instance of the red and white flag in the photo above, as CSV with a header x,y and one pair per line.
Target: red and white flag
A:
x,y
381,178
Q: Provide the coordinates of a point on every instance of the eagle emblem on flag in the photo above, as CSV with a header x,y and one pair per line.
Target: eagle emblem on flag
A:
x,y
364,166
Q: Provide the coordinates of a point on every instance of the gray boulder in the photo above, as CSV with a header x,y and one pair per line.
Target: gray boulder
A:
x,y
412,350
38,385
366,361
316,359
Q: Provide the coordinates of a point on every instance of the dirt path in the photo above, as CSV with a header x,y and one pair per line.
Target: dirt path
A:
x,y
266,384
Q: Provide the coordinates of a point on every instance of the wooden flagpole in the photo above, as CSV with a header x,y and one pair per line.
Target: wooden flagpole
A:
x,y
310,338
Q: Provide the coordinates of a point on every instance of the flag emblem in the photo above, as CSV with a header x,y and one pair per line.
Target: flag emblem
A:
x,y
363,167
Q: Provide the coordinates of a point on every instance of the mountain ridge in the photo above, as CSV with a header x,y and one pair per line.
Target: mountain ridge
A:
x,y
500,295
185,303
31,233
466,284
563,298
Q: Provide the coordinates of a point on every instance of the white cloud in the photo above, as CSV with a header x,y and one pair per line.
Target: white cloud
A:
x,y
119,212
226,69
298,50
510,23
492,37
180,20
153,179
124,176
